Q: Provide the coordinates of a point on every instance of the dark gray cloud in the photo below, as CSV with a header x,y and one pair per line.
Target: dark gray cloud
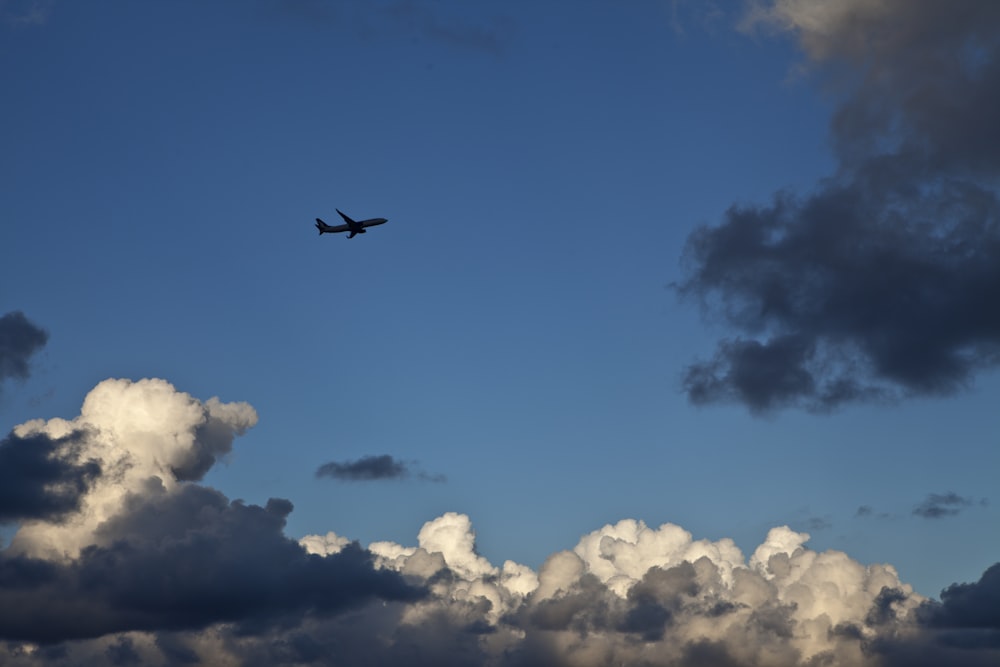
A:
x,y
366,468
883,610
371,468
42,477
962,629
972,605
176,650
122,652
940,505
743,624
184,560
883,282
19,340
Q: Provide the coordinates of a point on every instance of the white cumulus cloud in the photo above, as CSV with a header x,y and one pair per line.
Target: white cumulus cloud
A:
x,y
140,433
134,562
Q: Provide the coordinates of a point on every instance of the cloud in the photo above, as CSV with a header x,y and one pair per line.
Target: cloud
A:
x,y
185,560
116,537
962,629
370,468
625,594
137,433
138,563
866,511
940,505
19,340
43,477
631,594
974,605
880,284
365,468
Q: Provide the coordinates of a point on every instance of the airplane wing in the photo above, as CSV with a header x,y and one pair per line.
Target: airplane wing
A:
x,y
346,219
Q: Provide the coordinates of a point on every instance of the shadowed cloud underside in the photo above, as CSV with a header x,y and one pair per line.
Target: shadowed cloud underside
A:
x,y
880,284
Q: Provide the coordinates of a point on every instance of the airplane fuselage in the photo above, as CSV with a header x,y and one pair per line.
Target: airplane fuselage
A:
x,y
352,226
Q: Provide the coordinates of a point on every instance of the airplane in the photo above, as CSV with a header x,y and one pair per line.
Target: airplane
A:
x,y
352,226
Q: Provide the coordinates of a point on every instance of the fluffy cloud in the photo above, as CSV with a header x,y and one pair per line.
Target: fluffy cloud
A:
x,y
881,283
140,434
115,536
632,594
122,558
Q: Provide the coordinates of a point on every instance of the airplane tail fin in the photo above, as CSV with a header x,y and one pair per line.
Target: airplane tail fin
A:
x,y
320,225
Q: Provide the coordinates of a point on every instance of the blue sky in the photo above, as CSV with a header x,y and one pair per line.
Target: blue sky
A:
x,y
513,327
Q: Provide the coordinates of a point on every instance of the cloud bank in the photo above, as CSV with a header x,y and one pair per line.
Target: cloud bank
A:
x,y
121,557
880,284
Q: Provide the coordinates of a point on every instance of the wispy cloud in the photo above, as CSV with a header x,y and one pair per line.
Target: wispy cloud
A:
x,y
941,505
880,284
818,523
866,511
25,12
373,468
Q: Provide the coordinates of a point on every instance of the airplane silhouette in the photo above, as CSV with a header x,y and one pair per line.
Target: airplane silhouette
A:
x,y
352,226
